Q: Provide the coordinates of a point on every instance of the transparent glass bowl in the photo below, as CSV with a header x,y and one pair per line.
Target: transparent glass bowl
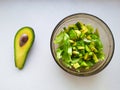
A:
x,y
105,35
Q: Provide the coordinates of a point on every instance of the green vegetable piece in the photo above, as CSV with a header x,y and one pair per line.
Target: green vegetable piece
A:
x,y
80,55
78,32
67,64
74,44
74,48
73,34
87,48
78,24
66,57
80,47
71,41
75,60
89,37
59,52
98,44
95,58
76,65
65,29
84,64
101,55
86,56
66,37
59,38
72,27
70,50
23,42
92,47
82,35
75,52
90,28
94,36
86,40
90,53
89,63
97,32
84,30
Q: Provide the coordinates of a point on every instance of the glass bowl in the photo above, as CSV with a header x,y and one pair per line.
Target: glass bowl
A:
x,y
106,37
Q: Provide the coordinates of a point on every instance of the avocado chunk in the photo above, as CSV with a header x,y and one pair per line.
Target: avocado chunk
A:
x,y
23,42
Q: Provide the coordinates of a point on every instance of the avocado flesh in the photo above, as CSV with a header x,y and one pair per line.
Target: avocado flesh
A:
x,y
21,52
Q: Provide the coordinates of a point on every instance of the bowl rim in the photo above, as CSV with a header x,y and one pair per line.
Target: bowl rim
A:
x,y
99,69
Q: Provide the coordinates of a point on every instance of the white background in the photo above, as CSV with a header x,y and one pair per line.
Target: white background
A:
x,y
41,71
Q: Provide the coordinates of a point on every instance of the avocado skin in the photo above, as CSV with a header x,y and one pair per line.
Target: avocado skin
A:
x,y
21,59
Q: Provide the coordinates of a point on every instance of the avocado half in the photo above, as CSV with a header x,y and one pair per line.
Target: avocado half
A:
x,y
23,42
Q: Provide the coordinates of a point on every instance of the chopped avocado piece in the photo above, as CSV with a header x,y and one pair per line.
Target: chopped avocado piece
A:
x,y
95,58
76,65
75,52
71,41
89,37
78,33
86,56
80,47
23,42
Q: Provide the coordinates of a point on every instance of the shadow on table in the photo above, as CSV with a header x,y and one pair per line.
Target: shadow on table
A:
x,y
76,81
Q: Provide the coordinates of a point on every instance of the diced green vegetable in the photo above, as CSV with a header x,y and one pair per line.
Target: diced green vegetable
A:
x,y
59,52
76,65
72,34
79,46
70,50
95,58
86,56
59,38
78,24
78,32
75,52
90,28
97,32
87,48
84,64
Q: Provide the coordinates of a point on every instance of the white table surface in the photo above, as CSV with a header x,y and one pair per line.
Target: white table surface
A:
x,y
41,71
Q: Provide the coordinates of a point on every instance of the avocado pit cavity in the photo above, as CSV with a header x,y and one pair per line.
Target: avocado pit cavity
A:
x,y
23,39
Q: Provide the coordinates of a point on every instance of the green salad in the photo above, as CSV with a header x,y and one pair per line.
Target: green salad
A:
x,y
79,46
